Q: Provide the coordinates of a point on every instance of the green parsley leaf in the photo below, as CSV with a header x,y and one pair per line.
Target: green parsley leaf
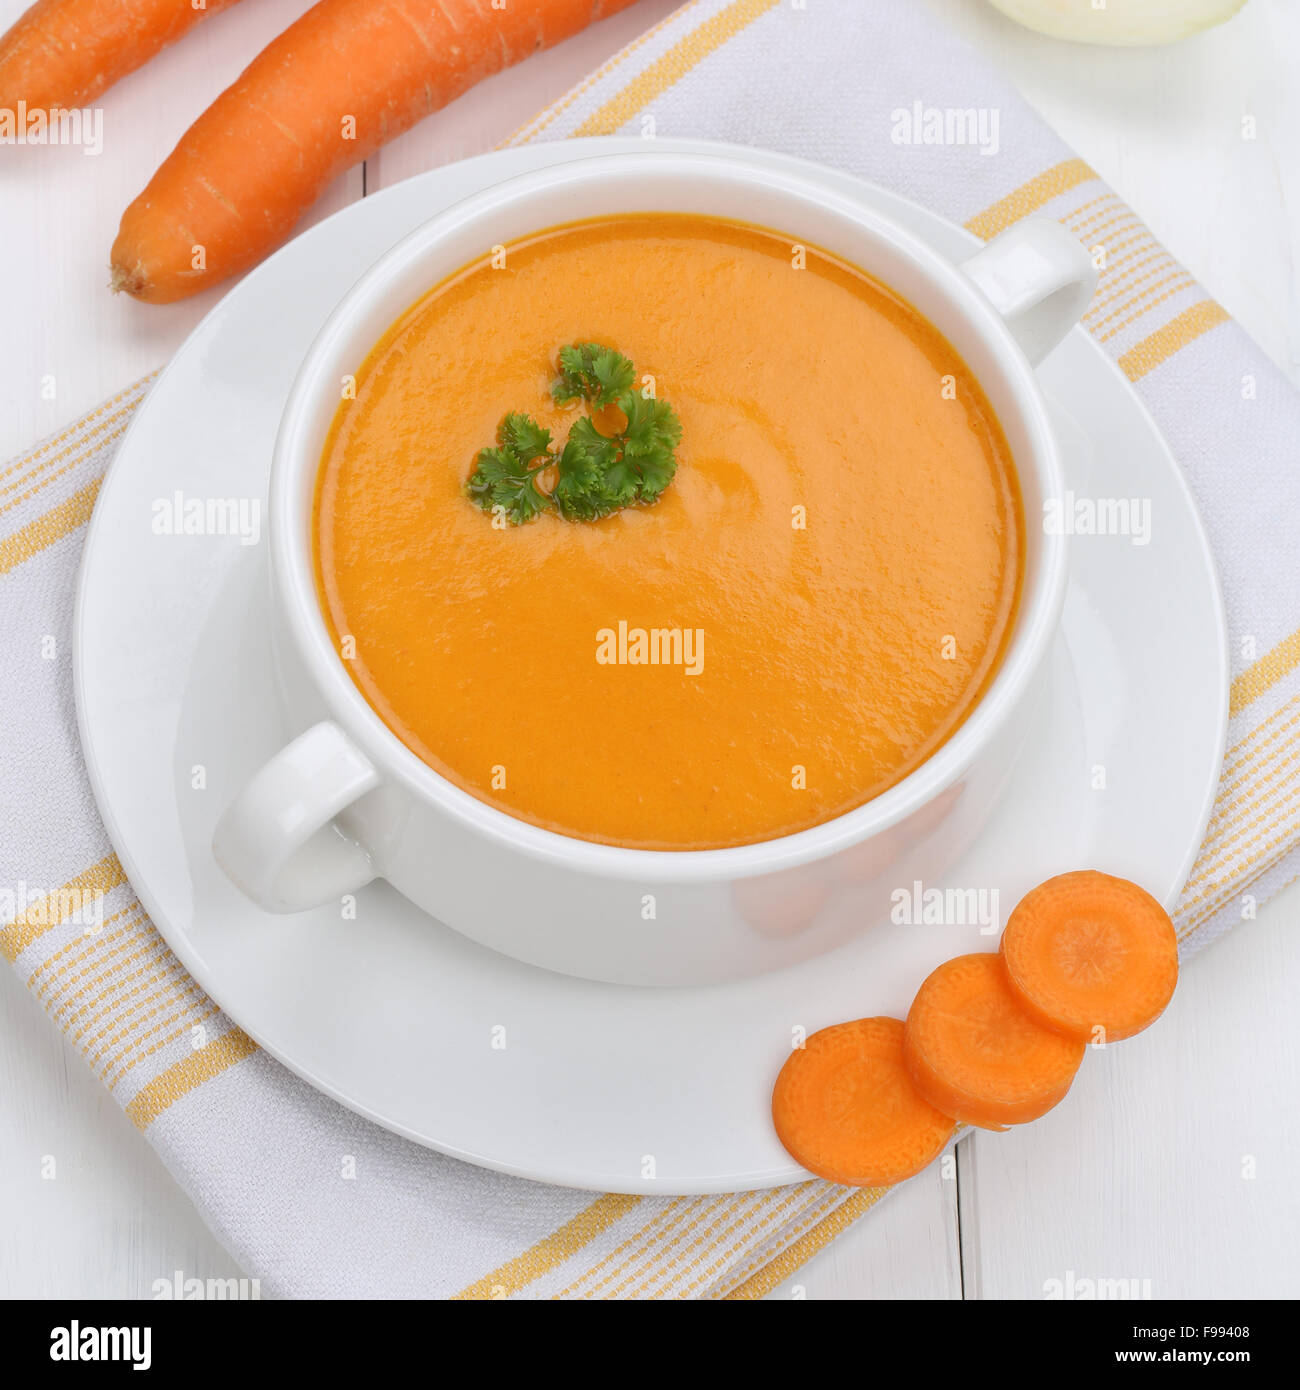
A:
x,y
502,479
657,470
610,375
524,435
651,424
580,493
571,384
593,373
596,474
622,482
586,447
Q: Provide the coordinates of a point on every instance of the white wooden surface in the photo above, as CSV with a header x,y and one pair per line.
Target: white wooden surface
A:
x,y
1140,1173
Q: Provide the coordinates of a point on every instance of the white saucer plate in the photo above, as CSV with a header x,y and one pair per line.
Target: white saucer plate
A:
x,y
396,1016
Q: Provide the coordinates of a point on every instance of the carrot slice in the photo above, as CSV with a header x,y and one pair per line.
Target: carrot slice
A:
x,y
1092,956
844,1108
975,1054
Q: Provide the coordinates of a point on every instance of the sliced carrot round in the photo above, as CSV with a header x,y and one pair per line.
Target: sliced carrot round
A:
x,y
975,1054
844,1107
1092,956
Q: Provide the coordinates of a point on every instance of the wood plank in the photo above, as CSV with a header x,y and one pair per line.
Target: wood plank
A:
x,y
112,1219
906,1247
1173,1158
61,210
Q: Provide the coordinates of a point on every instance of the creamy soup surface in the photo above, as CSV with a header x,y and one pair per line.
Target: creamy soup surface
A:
x,y
828,583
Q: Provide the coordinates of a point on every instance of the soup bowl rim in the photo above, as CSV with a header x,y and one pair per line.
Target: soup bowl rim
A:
x,y
342,339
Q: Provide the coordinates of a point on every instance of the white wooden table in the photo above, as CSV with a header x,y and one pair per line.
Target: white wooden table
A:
x,y
1140,1174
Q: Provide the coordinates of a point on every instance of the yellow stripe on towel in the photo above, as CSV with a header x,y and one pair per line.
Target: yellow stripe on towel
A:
x,y
798,1254
1161,345
553,1249
1070,173
1264,674
182,1077
664,72
53,909
58,522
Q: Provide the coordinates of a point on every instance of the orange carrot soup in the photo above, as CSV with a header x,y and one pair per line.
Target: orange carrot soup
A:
x,y
770,635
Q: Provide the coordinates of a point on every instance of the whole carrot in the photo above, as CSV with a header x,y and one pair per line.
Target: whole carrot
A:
x,y
347,77
63,53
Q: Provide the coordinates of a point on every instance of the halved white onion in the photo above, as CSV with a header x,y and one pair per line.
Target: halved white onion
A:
x,y
1119,21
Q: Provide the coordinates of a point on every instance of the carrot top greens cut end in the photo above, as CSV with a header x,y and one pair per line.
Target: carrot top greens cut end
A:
x,y
595,474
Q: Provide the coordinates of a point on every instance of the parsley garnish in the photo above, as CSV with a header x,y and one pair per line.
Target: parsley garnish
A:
x,y
595,474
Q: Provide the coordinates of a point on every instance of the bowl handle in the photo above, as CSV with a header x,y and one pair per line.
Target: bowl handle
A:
x,y
1039,277
277,842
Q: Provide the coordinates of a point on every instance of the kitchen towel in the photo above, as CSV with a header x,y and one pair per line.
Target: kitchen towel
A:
x,y
878,88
